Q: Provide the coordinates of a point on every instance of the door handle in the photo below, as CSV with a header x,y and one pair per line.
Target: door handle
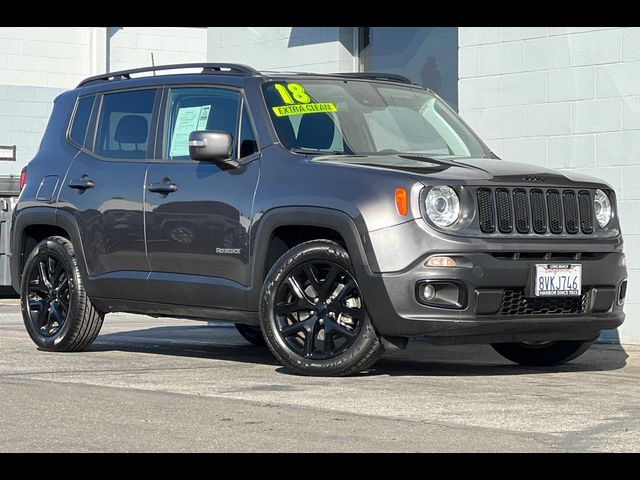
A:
x,y
165,187
82,184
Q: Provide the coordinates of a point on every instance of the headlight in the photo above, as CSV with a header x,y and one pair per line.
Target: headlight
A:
x,y
443,206
602,207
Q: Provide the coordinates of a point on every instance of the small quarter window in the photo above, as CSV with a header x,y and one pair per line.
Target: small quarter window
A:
x,y
81,120
248,143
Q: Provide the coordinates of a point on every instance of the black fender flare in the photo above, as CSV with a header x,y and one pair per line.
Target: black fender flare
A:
x,y
50,216
261,235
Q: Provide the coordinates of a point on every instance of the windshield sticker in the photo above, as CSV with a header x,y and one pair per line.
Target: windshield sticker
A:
x,y
189,119
287,110
293,93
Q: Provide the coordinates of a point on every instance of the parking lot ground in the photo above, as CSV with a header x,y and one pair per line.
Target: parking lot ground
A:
x,y
176,385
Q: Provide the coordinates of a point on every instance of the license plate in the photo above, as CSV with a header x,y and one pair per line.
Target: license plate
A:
x,y
558,280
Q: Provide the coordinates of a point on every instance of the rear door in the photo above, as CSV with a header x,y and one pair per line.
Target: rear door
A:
x,y
197,227
104,189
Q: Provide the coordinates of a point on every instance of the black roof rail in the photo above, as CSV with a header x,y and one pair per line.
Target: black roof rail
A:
x,y
376,76
233,68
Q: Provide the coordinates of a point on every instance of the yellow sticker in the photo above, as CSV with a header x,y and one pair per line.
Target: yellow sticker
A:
x,y
287,110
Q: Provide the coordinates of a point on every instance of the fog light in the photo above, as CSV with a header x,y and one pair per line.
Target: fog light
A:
x,y
428,292
442,294
447,262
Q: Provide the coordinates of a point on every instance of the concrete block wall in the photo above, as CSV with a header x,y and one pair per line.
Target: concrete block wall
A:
x,y
313,49
38,63
565,98
132,46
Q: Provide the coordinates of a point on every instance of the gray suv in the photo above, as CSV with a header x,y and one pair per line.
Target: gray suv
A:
x,y
328,216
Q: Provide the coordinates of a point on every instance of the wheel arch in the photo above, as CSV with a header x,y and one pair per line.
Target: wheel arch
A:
x,y
340,226
32,225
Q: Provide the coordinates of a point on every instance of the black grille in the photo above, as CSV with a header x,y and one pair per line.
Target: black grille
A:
x,y
485,207
514,302
538,217
570,211
521,211
586,213
503,204
538,210
555,211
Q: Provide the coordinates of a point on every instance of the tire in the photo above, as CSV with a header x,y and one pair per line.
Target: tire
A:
x,y
71,328
542,354
251,334
351,347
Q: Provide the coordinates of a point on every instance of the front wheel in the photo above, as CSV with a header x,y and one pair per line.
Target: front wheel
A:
x,y
542,354
313,315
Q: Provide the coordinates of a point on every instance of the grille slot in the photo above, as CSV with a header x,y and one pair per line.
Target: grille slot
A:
x,y
570,211
503,205
538,217
514,302
521,210
555,212
586,211
486,209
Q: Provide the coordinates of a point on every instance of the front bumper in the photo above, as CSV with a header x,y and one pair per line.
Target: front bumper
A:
x,y
393,304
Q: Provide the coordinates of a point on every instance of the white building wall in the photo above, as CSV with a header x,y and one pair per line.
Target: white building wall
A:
x,y
312,49
132,46
38,63
565,98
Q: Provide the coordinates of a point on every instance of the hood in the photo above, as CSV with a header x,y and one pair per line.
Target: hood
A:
x,y
469,171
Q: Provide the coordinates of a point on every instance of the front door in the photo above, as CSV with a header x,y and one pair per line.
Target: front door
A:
x,y
197,214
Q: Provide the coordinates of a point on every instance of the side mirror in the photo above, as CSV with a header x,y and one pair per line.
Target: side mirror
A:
x,y
210,146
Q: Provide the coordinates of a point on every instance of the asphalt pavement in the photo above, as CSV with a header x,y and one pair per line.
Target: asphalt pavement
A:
x,y
176,385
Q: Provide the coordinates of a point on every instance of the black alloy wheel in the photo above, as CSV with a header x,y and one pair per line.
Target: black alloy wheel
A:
x,y
56,310
318,310
49,295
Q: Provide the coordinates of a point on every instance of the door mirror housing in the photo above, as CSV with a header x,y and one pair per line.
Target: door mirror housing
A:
x,y
211,146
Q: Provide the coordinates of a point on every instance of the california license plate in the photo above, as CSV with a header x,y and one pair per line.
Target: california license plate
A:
x,y
558,280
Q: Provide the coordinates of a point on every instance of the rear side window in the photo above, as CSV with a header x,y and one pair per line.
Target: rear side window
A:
x,y
123,126
81,120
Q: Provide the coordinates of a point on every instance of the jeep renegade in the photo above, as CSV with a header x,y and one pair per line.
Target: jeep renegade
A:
x,y
328,216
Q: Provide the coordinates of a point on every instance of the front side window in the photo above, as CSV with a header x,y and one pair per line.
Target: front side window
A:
x,y
355,117
193,109
123,126
81,118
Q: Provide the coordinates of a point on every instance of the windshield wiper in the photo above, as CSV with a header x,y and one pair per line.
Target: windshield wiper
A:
x,y
311,151
411,156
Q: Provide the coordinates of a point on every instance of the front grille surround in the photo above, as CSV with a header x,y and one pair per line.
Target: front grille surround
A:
x,y
535,211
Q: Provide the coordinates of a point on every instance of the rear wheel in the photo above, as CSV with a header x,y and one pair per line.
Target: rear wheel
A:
x,y
56,311
313,314
542,354
251,334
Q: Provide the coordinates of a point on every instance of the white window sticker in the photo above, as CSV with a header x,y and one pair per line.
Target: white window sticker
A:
x,y
189,119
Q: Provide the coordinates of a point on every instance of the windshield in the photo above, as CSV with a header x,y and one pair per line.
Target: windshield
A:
x,y
355,117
